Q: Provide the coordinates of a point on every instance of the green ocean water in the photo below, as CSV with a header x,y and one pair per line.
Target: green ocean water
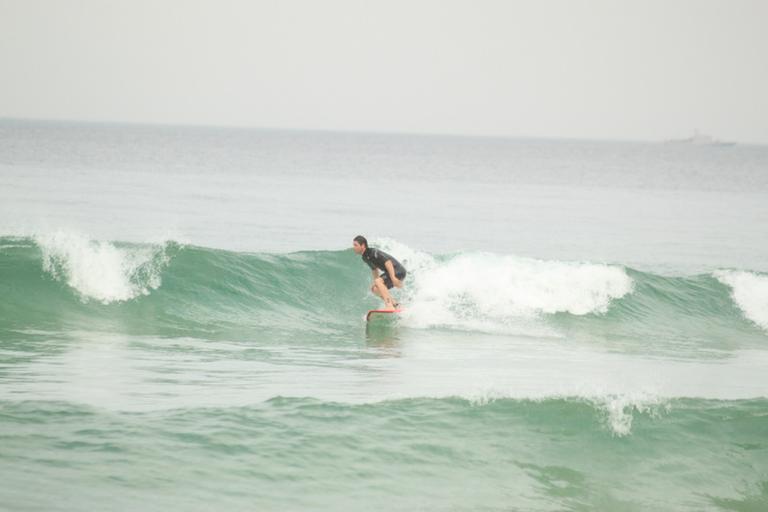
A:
x,y
182,323
223,380
294,453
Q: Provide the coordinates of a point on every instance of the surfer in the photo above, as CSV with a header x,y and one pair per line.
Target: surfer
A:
x,y
393,272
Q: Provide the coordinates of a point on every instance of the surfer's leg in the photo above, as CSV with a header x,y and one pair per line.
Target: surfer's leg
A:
x,y
380,289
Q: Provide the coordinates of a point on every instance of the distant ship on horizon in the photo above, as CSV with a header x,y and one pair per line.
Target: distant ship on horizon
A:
x,y
700,139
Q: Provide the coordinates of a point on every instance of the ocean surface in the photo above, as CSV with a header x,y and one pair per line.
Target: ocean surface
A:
x,y
182,322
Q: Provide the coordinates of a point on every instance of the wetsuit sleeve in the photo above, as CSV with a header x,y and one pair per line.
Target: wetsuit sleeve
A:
x,y
384,257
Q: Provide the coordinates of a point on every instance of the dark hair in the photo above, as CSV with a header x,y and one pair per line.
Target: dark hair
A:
x,y
361,240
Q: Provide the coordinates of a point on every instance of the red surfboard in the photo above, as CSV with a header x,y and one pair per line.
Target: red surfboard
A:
x,y
374,313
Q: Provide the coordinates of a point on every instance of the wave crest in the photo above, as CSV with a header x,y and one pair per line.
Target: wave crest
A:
x,y
483,289
102,271
750,293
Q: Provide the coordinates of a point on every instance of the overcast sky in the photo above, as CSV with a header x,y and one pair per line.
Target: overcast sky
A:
x,y
586,69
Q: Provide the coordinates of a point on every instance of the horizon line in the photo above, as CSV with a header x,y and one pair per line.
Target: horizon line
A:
x,y
160,124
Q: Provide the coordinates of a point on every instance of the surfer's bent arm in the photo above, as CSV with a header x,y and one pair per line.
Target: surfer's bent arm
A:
x,y
391,271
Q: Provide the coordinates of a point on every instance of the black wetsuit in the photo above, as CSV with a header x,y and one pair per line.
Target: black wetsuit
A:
x,y
376,259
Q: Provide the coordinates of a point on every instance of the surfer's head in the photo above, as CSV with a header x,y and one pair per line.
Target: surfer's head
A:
x,y
359,244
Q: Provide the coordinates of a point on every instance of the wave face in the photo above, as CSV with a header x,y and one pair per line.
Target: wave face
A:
x,y
65,280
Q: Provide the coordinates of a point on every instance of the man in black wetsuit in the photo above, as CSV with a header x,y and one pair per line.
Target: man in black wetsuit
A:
x,y
393,272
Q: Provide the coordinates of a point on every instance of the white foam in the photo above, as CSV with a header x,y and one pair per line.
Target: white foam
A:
x,y
620,410
617,411
493,292
749,292
99,270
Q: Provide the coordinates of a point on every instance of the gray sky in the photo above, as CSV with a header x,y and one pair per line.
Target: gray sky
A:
x,y
586,69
